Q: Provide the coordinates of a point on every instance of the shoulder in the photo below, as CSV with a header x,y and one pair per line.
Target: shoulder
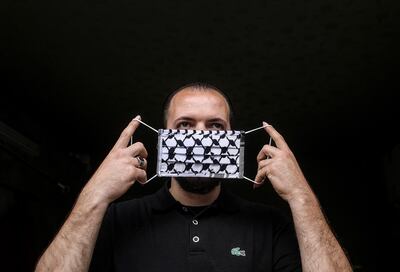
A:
x,y
140,204
261,212
131,212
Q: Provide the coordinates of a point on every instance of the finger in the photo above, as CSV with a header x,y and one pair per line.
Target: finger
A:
x,y
259,179
258,185
261,176
278,139
137,149
141,176
263,163
140,162
127,133
267,150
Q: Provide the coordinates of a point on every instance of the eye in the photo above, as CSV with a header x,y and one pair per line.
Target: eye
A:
x,y
183,125
217,126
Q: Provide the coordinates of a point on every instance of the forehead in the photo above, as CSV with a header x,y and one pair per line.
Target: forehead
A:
x,y
201,103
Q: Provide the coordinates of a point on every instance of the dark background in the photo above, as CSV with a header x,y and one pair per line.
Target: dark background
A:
x,y
324,73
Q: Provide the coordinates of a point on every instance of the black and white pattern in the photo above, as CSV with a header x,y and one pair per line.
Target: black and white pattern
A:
x,y
200,153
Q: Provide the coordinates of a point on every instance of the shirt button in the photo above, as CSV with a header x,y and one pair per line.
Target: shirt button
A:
x,y
195,222
184,209
196,239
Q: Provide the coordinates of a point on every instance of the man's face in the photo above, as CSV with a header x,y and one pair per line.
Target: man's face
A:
x,y
199,110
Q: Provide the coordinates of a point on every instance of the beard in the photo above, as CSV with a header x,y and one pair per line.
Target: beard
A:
x,y
199,186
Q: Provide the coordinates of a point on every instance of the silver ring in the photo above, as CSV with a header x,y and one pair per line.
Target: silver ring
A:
x,y
141,161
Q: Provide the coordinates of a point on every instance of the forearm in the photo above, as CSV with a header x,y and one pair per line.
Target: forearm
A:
x,y
72,248
319,249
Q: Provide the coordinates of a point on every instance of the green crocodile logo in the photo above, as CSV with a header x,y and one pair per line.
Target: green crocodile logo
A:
x,y
237,252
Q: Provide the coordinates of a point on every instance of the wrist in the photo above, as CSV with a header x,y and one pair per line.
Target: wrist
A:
x,y
92,200
300,200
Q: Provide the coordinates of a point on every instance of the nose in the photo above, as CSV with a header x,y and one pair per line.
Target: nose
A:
x,y
200,126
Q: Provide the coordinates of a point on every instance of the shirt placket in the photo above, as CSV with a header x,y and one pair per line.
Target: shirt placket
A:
x,y
198,258
196,236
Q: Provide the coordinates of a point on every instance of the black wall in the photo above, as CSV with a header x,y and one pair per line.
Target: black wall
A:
x,y
324,73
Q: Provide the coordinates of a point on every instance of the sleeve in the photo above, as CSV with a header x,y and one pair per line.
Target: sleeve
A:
x,y
286,253
102,259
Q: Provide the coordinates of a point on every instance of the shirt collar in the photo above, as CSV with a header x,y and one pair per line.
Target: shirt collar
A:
x,y
163,200
227,201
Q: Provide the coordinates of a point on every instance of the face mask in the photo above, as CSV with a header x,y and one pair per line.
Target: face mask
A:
x,y
200,153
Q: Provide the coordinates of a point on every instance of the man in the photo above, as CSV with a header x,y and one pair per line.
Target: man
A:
x,y
194,224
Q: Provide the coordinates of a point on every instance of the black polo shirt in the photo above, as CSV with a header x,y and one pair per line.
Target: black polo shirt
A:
x,y
157,233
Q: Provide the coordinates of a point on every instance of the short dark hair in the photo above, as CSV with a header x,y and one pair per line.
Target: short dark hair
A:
x,y
200,86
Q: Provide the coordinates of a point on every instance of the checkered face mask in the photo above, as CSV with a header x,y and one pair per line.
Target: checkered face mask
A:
x,y
200,153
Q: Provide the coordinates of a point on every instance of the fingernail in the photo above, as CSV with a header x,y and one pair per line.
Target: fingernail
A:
x,y
138,117
265,124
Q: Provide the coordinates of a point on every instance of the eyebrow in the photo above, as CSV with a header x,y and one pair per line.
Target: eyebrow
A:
x,y
217,120
186,118
183,118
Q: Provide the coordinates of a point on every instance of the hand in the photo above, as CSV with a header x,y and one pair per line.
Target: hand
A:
x,y
279,165
120,169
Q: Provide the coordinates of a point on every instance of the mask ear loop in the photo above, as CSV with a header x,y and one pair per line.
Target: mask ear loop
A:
x,y
131,142
268,156
246,132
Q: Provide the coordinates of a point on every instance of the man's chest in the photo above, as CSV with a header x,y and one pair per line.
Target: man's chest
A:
x,y
184,243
